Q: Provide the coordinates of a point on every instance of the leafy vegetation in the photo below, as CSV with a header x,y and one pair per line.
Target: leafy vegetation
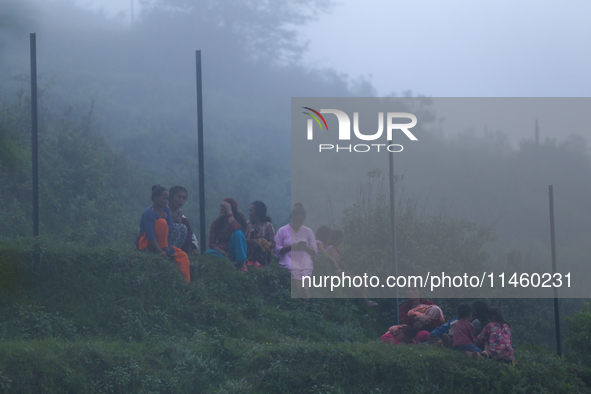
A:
x,y
81,311
113,320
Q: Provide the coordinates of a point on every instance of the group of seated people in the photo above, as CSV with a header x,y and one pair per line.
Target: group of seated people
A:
x,y
478,331
164,230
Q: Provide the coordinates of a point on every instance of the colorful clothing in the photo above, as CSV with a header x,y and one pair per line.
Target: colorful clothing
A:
x,y
191,240
433,312
182,235
463,333
229,240
406,319
236,247
260,240
390,336
497,341
178,235
220,239
445,328
152,227
298,262
148,221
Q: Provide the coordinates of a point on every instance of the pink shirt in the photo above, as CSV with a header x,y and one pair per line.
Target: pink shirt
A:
x,y
498,341
299,259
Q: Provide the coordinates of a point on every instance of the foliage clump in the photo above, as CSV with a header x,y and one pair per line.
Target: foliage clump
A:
x,y
114,320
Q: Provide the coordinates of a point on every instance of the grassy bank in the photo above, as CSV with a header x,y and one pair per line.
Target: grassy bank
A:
x,y
110,320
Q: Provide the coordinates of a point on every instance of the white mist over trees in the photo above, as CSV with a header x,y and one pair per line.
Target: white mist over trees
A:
x,y
137,83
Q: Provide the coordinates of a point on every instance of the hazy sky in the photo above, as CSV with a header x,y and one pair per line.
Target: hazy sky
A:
x,y
459,48
451,48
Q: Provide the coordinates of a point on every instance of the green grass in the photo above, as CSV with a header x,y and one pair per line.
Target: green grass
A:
x,y
113,320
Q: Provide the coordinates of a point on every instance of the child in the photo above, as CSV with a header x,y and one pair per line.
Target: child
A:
x,y
464,336
496,337
480,315
443,335
336,238
322,240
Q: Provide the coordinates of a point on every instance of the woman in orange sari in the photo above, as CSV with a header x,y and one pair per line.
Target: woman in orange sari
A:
x,y
155,224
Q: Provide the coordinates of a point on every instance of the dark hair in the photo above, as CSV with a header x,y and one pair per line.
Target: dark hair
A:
x,y
220,222
336,234
499,315
260,209
298,209
157,190
323,233
464,310
480,310
176,189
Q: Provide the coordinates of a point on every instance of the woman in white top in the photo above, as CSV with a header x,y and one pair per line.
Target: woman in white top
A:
x,y
295,247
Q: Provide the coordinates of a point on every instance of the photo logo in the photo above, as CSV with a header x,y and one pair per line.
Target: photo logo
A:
x,y
345,130
315,118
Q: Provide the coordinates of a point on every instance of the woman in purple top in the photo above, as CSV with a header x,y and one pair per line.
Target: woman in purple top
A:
x,y
295,247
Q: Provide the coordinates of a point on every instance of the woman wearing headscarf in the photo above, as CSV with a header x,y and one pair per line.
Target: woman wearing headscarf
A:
x,y
226,236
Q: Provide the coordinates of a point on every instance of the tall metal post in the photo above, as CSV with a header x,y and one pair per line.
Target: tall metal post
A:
x,y
553,247
393,225
34,145
200,152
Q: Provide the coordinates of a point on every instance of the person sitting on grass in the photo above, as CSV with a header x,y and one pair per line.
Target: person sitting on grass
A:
x,y
226,238
442,335
260,236
336,239
322,242
155,225
480,312
464,336
295,247
181,235
496,337
408,333
417,321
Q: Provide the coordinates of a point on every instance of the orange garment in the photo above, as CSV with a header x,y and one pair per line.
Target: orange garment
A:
x,y
423,310
181,259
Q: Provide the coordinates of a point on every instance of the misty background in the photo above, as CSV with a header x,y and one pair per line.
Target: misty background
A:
x,y
118,109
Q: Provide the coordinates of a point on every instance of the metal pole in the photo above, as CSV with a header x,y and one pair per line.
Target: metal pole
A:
x,y
34,145
553,247
393,225
200,153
